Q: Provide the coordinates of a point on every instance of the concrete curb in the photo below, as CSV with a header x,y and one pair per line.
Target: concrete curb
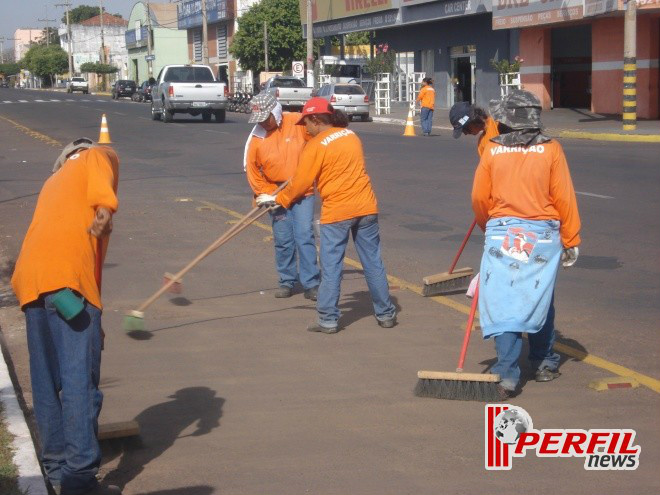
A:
x,y
388,120
30,478
611,136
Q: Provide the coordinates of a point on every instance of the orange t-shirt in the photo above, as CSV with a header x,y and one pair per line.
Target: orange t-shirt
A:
x,y
335,160
490,131
58,251
274,159
427,97
530,182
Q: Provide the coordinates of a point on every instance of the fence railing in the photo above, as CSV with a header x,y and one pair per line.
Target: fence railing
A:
x,y
509,81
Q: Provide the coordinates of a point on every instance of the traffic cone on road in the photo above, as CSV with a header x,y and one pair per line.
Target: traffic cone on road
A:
x,y
104,135
410,125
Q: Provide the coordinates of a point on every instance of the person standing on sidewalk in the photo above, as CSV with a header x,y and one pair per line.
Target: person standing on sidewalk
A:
x,y
523,198
471,119
271,158
426,97
334,159
56,285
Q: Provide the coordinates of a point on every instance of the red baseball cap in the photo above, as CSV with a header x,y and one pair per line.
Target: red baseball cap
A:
x,y
315,106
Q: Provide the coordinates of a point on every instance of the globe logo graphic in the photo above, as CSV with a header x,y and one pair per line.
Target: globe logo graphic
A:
x,y
512,423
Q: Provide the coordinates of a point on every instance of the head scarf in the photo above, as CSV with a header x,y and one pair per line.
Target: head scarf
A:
x,y
519,111
82,143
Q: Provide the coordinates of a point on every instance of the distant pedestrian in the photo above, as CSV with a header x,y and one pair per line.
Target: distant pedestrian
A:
x,y
271,158
58,289
471,119
334,160
523,198
426,97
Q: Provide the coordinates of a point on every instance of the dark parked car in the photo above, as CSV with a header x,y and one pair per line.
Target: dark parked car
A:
x,y
123,88
4,83
143,92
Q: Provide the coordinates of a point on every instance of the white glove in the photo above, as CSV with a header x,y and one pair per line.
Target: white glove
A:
x,y
569,256
267,200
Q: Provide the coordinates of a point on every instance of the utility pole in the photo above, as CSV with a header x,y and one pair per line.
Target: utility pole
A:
x,y
630,67
310,46
68,35
103,59
47,21
205,35
266,46
150,63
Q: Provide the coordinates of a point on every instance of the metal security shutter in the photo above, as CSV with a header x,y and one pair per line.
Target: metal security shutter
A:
x,y
222,41
197,45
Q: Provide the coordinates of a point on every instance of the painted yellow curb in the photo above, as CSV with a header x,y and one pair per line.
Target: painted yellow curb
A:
x,y
34,134
607,136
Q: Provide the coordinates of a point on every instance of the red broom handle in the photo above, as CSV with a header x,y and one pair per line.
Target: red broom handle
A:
x,y
460,250
468,329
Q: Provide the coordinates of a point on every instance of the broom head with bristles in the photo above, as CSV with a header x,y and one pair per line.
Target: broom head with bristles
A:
x,y
447,283
133,320
459,386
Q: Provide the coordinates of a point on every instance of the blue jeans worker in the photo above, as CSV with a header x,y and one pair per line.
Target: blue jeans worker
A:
x,y
523,198
57,283
334,160
426,99
271,158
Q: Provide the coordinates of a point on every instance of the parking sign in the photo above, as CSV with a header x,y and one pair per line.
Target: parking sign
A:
x,y
298,69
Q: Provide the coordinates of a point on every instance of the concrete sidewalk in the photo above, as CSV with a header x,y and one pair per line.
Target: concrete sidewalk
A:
x,y
560,122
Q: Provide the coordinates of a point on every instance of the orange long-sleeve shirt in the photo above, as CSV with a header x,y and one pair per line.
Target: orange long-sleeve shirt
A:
x,y
58,251
335,160
274,159
491,130
526,182
427,97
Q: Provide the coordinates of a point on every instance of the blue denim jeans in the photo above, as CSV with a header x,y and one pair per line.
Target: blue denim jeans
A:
x,y
426,117
366,237
65,364
293,232
508,346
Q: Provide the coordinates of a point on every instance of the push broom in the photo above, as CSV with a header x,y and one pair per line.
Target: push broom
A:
x,y
451,281
459,385
134,319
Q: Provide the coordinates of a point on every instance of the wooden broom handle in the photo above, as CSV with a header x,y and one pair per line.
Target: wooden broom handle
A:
x,y
460,250
468,330
242,224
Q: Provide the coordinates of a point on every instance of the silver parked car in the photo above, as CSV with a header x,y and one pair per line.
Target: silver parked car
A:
x,y
350,98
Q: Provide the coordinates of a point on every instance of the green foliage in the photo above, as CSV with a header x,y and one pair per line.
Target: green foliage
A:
x,y
45,61
504,66
8,471
285,40
98,68
50,35
359,38
10,69
384,60
82,13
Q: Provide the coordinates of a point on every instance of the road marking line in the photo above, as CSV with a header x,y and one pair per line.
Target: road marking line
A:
x,y
40,101
119,113
22,101
585,357
594,195
37,135
143,118
7,101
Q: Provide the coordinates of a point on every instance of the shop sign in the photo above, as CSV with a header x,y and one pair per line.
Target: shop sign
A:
x,y
135,38
406,3
353,24
596,7
648,4
189,13
442,10
509,14
328,10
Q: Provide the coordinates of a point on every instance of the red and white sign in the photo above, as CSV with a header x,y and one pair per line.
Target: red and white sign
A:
x,y
298,69
509,432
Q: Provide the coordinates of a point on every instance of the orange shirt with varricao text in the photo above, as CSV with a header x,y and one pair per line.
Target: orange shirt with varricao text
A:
x,y
530,182
274,159
58,251
335,160
427,97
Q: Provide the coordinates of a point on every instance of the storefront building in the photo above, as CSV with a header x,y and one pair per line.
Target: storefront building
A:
x,y
168,44
573,52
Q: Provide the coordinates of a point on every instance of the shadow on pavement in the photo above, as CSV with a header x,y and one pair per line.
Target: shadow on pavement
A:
x,y
160,426
188,490
358,305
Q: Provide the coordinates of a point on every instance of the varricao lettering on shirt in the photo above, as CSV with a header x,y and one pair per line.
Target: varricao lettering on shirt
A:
x,y
336,135
536,148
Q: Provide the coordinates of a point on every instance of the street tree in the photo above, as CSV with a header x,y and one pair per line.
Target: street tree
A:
x,y
82,13
45,61
97,68
285,40
9,69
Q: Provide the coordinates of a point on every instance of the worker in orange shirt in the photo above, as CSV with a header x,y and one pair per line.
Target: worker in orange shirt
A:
x,y
471,119
426,97
57,283
334,159
523,198
271,158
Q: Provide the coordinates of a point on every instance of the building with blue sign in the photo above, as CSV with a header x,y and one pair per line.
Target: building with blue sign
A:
x,y
168,43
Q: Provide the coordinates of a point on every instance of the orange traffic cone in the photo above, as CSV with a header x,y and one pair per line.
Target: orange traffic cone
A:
x,y
104,135
410,125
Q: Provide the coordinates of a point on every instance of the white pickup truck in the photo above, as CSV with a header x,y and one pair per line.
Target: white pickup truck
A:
x,y
190,89
78,84
289,91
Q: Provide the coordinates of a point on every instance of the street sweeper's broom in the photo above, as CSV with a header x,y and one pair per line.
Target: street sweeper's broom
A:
x,y
459,385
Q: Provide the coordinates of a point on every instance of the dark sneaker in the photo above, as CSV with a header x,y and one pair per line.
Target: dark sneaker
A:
x,y
312,293
387,323
315,327
546,375
504,393
284,292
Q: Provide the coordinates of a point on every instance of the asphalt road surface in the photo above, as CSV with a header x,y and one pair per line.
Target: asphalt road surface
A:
x,y
234,396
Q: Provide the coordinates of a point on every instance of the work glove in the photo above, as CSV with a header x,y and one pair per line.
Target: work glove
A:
x,y
569,256
267,200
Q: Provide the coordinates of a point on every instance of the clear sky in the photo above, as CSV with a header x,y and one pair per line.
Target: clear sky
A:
x,y
16,14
